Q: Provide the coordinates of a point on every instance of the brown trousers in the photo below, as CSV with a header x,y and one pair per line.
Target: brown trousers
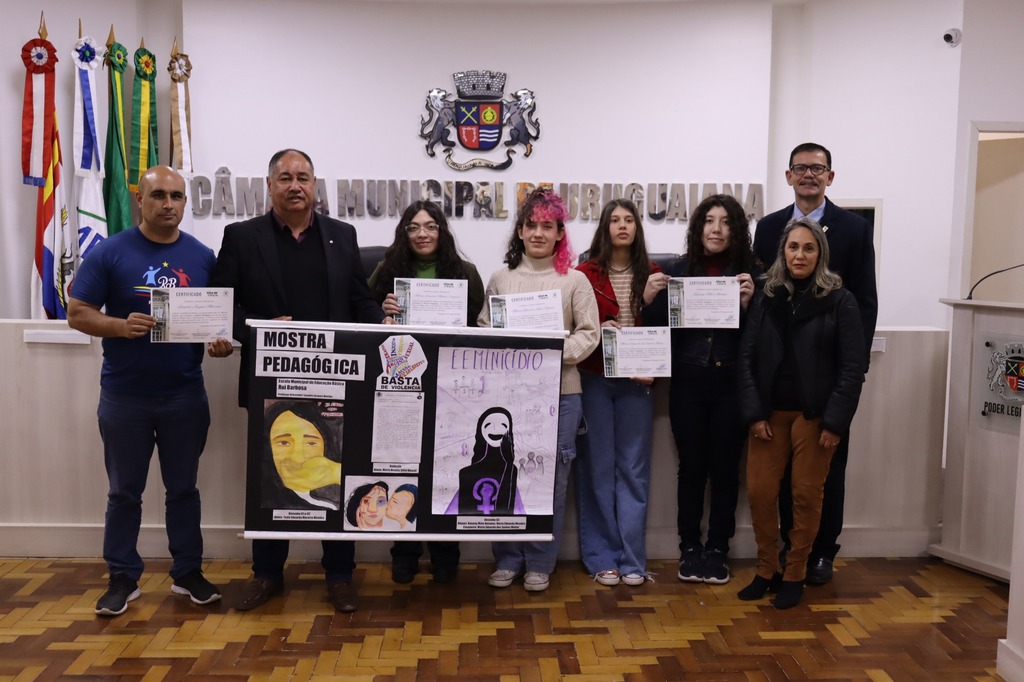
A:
x,y
793,438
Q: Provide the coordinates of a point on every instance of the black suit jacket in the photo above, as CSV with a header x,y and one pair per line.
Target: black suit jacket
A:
x,y
851,255
248,262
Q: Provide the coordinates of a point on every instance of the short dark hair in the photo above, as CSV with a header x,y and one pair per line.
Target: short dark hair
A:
x,y
415,492
811,147
277,157
541,204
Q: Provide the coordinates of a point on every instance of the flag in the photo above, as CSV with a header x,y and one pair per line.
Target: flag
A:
x,y
90,214
55,251
116,198
144,137
180,69
40,60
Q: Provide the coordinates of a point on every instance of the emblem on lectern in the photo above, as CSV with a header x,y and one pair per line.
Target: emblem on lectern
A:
x,y
1006,372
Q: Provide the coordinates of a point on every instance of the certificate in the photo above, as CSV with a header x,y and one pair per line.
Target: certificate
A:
x,y
191,314
432,302
636,352
704,302
535,310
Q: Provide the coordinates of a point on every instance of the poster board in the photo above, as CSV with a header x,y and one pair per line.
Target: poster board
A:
x,y
392,432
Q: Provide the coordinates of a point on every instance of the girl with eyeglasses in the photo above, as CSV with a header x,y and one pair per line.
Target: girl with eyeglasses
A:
x,y
424,247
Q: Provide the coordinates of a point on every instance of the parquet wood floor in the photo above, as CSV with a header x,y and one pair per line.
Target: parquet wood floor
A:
x,y
901,619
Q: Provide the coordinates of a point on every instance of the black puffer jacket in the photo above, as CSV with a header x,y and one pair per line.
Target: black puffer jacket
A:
x,y
828,341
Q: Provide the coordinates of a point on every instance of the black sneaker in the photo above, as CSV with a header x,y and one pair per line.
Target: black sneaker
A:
x,y
403,572
691,565
120,590
445,573
716,567
197,587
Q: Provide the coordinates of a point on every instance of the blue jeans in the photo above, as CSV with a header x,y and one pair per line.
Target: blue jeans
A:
x,y
130,426
613,474
540,557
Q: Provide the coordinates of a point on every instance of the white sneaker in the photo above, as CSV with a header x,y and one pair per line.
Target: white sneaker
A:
x,y
633,579
536,582
502,577
609,577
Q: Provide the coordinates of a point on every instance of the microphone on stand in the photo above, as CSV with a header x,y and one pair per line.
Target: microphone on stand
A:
x,y
970,294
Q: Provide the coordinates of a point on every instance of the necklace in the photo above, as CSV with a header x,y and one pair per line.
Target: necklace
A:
x,y
617,271
796,300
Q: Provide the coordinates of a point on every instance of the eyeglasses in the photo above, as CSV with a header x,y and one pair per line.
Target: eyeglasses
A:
x,y
429,228
801,168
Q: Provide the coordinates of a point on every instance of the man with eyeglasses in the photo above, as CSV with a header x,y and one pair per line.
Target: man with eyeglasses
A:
x,y
852,256
293,264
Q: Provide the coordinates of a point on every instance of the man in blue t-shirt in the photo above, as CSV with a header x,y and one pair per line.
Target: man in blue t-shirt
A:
x,y
150,394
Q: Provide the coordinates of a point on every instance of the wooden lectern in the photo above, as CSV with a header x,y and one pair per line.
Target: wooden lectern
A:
x,y
983,410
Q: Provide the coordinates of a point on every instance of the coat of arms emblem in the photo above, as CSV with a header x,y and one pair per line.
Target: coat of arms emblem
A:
x,y
479,116
1006,372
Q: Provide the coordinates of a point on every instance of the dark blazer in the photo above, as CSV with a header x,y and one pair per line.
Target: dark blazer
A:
x,y
829,346
851,255
248,262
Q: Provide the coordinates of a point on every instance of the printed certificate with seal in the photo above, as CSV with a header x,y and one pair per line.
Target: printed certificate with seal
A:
x,y
636,352
191,314
704,302
535,310
432,302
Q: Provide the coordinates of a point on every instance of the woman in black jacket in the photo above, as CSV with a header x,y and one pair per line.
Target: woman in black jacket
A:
x,y
702,396
801,367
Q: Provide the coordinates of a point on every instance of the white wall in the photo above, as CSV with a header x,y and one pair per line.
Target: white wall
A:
x,y
991,46
998,240
626,91
662,92
53,489
874,82
156,22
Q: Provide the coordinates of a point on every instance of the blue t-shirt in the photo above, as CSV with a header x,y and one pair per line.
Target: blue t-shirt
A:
x,y
119,274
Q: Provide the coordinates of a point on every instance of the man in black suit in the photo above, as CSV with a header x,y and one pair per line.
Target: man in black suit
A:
x,y
293,264
852,256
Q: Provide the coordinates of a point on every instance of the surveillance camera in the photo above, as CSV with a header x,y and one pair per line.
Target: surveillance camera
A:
x,y
952,37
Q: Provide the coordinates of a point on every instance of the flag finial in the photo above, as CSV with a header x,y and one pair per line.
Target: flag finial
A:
x,y
110,38
42,26
174,47
79,28
142,44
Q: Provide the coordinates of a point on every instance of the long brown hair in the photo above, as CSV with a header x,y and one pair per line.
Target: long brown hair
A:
x,y
823,280
639,262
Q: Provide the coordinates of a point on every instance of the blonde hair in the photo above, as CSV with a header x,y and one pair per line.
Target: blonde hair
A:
x,y
823,280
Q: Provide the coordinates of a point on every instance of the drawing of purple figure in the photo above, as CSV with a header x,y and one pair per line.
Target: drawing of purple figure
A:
x,y
183,279
487,485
